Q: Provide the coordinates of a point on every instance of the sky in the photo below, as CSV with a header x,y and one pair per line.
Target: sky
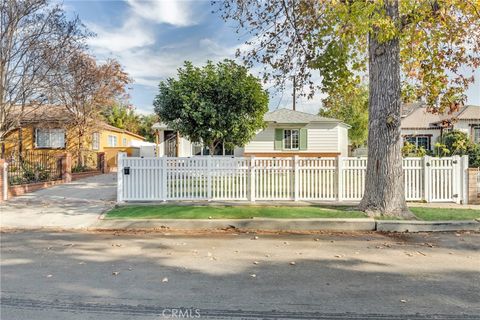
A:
x,y
152,39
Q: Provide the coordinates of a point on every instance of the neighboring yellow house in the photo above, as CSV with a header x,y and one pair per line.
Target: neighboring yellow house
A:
x,y
49,130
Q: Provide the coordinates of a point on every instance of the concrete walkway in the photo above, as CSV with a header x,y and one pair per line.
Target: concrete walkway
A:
x,y
71,206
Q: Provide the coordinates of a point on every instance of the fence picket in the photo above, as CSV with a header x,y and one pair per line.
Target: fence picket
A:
x,y
295,178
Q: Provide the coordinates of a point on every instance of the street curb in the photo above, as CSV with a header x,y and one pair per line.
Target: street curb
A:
x,y
285,225
426,226
366,224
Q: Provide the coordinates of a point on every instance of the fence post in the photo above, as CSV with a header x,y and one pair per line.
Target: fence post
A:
x,y
209,178
340,178
252,178
101,162
457,179
67,167
426,179
4,179
164,178
120,177
296,179
464,180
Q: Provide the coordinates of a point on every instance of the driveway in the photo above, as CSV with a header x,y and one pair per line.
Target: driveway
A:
x,y
73,205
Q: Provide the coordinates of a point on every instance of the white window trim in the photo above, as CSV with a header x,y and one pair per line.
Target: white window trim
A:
x,y
96,141
284,139
112,138
37,146
124,142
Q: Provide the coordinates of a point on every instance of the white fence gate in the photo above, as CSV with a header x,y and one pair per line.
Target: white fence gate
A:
x,y
326,179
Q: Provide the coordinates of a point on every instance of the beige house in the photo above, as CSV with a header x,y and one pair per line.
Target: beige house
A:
x,y
288,133
424,128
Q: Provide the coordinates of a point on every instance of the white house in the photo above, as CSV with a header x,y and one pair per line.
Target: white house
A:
x,y
424,128
288,133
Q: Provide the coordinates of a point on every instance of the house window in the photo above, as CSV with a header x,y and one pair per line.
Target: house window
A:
x,y
419,141
124,142
476,134
112,141
49,138
291,139
95,141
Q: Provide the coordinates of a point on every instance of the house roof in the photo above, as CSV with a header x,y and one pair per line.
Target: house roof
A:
x,y
56,114
416,116
469,112
45,113
159,126
292,116
106,126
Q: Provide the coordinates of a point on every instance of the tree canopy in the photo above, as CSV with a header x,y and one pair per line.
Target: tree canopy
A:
x,y
351,106
122,116
35,35
216,103
439,41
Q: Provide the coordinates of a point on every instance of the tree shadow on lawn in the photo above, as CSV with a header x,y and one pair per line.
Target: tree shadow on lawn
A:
x,y
141,274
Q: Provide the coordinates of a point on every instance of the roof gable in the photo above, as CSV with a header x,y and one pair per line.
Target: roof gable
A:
x,y
293,116
417,116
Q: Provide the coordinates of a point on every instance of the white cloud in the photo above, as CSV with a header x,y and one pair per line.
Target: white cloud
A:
x,y
131,35
174,12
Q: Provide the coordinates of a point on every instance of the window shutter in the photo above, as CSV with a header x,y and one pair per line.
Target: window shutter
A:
x,y
303,139
278,144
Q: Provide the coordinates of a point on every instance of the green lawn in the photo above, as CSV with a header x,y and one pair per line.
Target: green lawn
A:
x,y
431,214
247,212
230,212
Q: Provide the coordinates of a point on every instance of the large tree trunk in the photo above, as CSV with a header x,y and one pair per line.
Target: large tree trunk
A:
x,y
384,185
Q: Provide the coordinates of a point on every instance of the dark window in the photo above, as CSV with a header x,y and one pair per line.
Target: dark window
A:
x,y
419,141
476,134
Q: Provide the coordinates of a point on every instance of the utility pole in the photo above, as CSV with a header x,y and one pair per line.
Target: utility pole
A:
x,y
294,93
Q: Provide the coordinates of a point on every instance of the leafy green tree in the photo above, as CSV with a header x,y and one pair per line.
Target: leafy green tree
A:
x,y
123,117
422,43
213,104
349,104
145,129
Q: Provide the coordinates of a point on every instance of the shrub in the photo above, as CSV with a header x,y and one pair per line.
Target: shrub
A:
x,y
457,143
411,150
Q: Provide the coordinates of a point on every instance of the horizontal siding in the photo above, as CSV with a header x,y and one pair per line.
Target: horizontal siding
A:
x,y
343,140
322,137
262,142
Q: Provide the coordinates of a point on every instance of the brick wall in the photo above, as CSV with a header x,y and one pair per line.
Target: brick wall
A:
x,y
2,165
473,190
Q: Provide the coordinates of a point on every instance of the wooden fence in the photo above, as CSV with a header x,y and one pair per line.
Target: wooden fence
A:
x,y
323,179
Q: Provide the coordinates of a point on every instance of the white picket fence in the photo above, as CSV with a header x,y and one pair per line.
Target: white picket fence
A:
x,y
326,179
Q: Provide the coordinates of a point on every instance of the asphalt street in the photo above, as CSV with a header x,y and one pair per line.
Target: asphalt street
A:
x,y
53,275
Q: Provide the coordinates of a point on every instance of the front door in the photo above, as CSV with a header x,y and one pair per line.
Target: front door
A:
x,y
170,143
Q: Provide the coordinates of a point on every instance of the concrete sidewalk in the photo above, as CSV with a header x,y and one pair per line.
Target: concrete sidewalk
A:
x,y
67,206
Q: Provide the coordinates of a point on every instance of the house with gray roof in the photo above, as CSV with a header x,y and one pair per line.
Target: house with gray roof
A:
x,y
288,133
424,128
